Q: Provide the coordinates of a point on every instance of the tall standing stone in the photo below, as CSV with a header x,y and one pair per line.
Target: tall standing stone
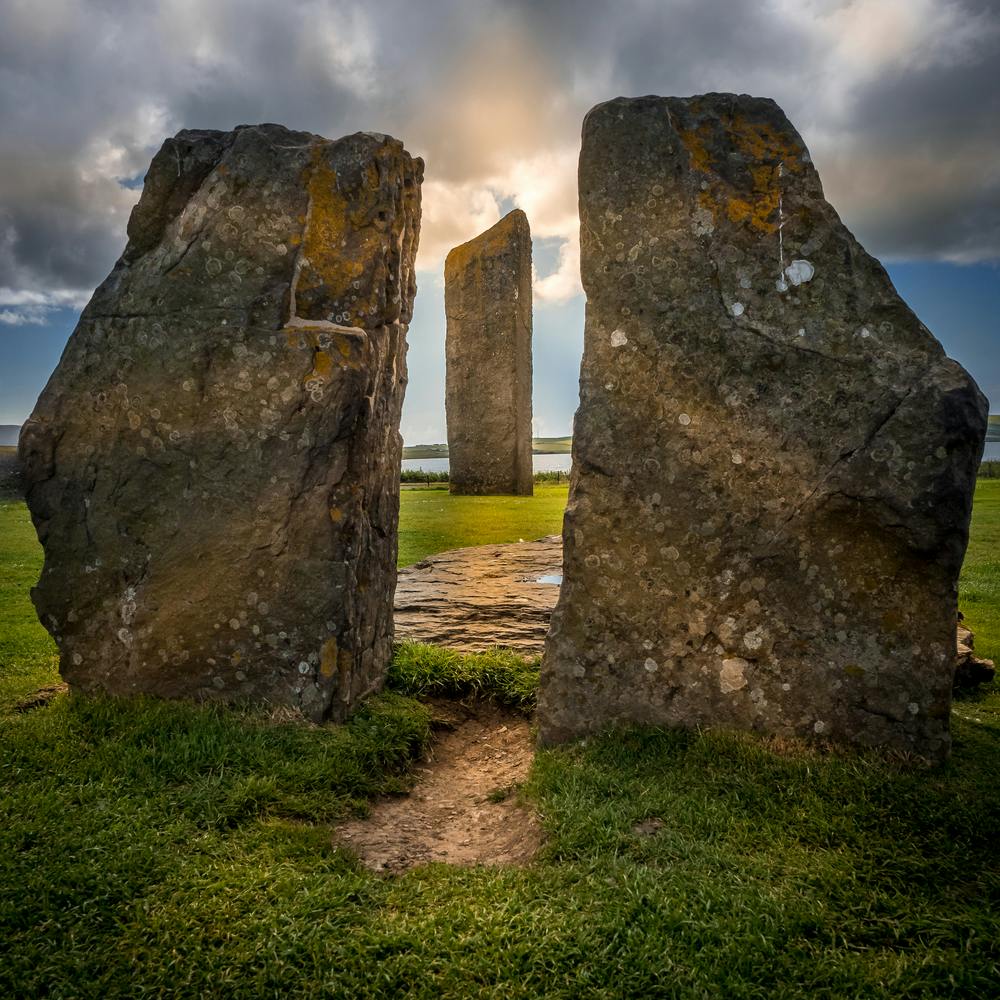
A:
x,y
487,288
773,458
213,468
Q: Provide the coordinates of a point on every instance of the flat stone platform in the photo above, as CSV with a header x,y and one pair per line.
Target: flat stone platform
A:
x,y
472,599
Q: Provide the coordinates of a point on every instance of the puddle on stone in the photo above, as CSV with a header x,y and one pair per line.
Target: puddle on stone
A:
x,y
553,578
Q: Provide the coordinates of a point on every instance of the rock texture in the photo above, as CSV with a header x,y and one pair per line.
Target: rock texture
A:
x,y
213,468
487,288
482,596
970,670
773,458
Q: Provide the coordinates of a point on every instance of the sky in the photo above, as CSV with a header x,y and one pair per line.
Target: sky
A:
x,y
898,101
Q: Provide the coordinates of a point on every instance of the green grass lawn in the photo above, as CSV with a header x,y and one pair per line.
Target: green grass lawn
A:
x,y
151,849
432,520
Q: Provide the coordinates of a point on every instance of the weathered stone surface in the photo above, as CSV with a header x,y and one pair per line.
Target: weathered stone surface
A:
x,y
487,288
773,459
970,670
482,596
213,467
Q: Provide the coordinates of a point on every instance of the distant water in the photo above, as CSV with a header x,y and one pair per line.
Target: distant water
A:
x,y
540,463
561,463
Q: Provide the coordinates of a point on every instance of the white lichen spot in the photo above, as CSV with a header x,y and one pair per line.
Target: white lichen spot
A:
x,y
618,338
781,285
799,272
304,667
737,309
234,623
802,331
704,224
864,333
732,676
819,727
754,639
683,419
913,708
737,458
77,659
651,666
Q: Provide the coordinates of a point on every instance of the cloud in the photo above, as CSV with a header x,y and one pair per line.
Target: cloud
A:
x,y
563,283
898,99
23,307
452,214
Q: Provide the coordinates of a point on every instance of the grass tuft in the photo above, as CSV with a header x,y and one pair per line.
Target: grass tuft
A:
x,y
498,674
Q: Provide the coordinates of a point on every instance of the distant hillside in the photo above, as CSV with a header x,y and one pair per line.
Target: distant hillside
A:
x,y
540,446
993,430
552,446
426,451
8,433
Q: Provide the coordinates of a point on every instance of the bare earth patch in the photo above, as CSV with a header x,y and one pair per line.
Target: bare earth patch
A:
x,y
463,809
41,697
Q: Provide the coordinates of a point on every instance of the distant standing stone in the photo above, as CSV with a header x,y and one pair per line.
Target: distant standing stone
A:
x,y
773,458
213,468
487,285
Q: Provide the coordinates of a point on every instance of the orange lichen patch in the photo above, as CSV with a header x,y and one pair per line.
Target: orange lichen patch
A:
x,y
694,143
328,658
336,515
496,240
761,142
768,152
739,210
236,658
854,670
330,261
322,366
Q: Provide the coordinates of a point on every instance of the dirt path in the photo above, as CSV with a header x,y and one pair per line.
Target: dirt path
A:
x,y
451,815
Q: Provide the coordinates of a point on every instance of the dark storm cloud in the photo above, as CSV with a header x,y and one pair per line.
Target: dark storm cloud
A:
x,y
898,100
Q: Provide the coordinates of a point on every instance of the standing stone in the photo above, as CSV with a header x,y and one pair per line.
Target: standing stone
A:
x,y
487,290
773,458
213,468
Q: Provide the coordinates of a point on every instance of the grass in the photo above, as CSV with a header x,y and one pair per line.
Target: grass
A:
x,y
979,587
432,520
151,849
499,675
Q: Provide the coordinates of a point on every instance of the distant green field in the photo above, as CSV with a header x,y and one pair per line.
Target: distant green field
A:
x,y
539,446
426,451
432,520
